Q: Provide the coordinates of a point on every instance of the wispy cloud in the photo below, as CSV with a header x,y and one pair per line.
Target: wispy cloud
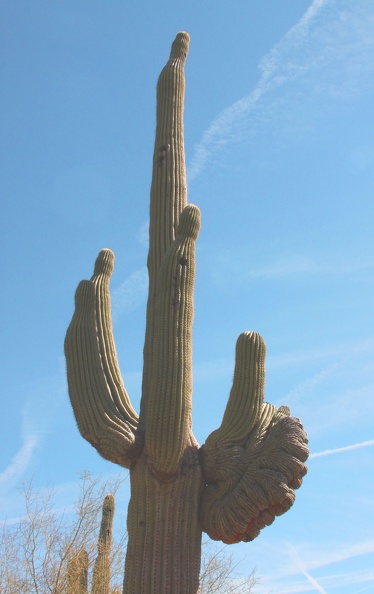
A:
x,y
328,49
230,269
298,563
131,293
298,264
350,448
294,561
310,384
19,463
142,235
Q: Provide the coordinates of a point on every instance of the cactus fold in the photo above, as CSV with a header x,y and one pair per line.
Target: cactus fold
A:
x,y
248,469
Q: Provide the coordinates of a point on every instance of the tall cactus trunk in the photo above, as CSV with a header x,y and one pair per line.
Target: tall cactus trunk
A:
x,y
164,532
247,471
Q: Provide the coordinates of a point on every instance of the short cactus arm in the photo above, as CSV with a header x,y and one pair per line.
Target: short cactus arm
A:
x,y
168,188
101,406
168,428
255,460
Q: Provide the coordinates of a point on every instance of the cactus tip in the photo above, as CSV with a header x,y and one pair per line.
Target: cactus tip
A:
x,y
251,337
104,262
84,294
179,48
189,222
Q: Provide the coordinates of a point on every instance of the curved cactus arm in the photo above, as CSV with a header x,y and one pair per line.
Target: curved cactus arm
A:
x,y
104,266
168,427
255,460
101,406
168,188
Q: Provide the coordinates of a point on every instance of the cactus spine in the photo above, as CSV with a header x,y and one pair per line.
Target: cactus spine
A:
x,y
247,471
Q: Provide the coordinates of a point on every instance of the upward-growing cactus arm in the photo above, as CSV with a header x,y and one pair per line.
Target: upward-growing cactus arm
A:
x,y
101,406
103,270
168,429
169,186
255,460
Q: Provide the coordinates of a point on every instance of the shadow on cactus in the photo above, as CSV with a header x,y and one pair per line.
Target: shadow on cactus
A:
x,y
246,472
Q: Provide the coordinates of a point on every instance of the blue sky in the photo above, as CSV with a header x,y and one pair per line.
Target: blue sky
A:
x,y
279,137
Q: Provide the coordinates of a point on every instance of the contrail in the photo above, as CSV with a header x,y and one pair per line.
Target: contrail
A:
x,y
271,77
311,580
356,446
19,461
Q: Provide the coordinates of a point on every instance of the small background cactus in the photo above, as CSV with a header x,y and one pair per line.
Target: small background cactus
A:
x,y
77,572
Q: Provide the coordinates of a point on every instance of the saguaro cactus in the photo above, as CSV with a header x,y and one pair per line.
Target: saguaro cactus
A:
x,y
101,571
247,471
77,570
77,573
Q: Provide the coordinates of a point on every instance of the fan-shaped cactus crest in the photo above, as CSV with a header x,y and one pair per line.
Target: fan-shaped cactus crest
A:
x,y
246,472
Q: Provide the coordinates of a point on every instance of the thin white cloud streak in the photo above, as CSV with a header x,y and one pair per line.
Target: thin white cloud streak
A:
x,y
19,462
310,384
131,293
286,577
231,267
312,581
344,449
329,52
328,582
301,567
323,558
218,132
297,265
142,235
322,352
371,587
32,434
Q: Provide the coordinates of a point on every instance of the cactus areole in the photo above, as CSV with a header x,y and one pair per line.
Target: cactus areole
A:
x,y
246,472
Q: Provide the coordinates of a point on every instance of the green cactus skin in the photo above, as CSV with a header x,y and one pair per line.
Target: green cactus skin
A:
x,y
77,573
101,572
246,472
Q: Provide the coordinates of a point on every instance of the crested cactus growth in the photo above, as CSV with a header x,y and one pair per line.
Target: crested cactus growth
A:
x,y
101,572
247,471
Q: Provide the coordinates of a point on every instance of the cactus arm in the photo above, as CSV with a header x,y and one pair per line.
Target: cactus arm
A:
x,y
255,460
102,410
103,270
101,571
168,188
168,421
